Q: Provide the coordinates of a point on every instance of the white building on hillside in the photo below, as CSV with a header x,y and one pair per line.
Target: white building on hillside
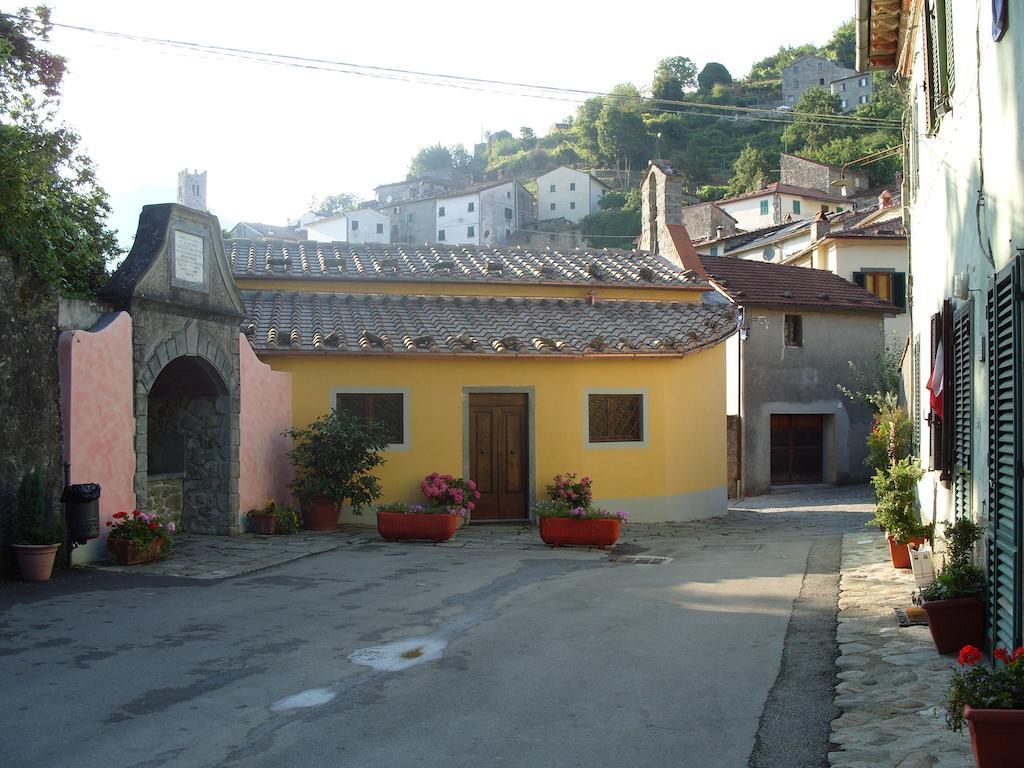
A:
x,y
565,193
483,214
365,225
778,203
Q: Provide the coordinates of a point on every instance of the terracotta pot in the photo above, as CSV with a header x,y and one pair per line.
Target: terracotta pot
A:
x,y
265,525
396,526
320,514
127,552
35,561
900,554
597,532
996,736
956,623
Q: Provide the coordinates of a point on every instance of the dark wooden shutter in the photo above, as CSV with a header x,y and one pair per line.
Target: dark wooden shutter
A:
x,y
946,424
934,423
858,278
916,399
899,289
960,410
1004,447
931,61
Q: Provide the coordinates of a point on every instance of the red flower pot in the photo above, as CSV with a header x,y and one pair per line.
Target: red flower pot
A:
x,y
996,736
396,526
956,623
319,514
900,554
265,525
127,552
596,532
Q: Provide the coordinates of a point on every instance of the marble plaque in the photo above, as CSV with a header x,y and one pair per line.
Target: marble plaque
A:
x,y
189,258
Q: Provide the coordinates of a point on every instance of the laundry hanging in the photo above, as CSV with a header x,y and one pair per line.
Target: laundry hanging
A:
x,y
935,381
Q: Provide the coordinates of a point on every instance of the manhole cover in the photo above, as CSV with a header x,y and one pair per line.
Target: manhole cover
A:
x,y
641,560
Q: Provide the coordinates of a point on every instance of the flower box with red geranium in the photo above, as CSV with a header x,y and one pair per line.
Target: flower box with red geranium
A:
x,y
991,702
399,522
561,524
138,537
457,496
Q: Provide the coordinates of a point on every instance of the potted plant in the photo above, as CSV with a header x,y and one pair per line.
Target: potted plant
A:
x,y
286,520
333,458
397,522
453,493
991,701
896,510
138,537
956,612
263,520
569,517
38,535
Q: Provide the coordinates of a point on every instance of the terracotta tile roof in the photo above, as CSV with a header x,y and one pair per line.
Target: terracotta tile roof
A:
x,y
454,264
291,321
786,189
760,284
474,188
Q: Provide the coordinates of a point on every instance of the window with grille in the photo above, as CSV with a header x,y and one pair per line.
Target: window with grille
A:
x,y
387,409
616,418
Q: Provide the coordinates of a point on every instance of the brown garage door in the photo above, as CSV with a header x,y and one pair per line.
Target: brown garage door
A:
x,y
498,455
796,448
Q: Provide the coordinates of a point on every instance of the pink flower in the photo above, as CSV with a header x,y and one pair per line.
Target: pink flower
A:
x,y
471,506
171,526
471,485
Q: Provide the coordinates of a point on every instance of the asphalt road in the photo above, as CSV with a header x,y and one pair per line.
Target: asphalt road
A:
x,y
408,655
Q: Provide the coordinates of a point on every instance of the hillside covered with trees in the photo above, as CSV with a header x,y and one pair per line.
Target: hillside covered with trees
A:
x,y
695,118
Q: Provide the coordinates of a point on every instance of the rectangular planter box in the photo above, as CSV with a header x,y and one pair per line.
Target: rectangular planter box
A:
x,y
125,551
397,526
597,532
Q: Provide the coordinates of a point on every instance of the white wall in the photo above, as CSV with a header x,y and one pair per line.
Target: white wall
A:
x,y
569,203
878,256
362,226
747,211
457,220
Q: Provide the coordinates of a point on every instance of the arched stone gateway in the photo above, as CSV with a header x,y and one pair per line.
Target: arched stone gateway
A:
x,y
185,311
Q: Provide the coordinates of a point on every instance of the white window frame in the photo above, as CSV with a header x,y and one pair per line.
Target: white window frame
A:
x,y
406,443
644,419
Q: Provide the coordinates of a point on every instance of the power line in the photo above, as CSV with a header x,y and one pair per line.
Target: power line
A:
x,y
466,82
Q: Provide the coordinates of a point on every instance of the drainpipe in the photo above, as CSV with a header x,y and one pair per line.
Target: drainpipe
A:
x,y
740,443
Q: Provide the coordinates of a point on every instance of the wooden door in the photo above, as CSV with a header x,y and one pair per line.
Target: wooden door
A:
x,y
796,443
498,450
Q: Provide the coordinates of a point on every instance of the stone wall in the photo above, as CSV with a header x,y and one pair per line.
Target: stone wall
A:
x,y
807,173
733,453
164,498
702,221
30,426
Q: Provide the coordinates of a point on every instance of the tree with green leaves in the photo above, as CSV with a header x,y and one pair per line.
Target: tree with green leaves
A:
x,y
842,46
343,202
809,131
672,77
713,74
432,159
750,171
52,209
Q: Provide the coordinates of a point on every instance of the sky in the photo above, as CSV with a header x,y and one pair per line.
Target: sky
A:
x,y
271,138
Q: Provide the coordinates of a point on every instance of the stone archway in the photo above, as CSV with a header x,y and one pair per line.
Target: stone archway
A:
x,y
188,435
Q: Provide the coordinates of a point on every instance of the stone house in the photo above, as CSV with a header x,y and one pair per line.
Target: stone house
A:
x,y
853,91
963,190
824,177
810,71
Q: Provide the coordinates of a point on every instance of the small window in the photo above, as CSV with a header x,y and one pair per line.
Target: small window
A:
x,y
843,103
879,283
552,188
471,231
839,209
842,86
355,226
508,214
863,99
408,218
572,206
552,206
764,207
440,235
796,206
380,229
508,195
572,186
863,82
440,211
794,331
615,418
821,81
470,207
714,250
387,409
507,231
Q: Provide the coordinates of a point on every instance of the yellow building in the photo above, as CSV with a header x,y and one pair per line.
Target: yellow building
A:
x,y
506,366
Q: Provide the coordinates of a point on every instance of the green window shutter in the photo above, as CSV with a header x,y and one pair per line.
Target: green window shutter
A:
x,y
1003,315
946,27
960,410
859,279
764,207
899,289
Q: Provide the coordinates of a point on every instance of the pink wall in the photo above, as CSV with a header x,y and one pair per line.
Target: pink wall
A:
x,y
99,420
264,468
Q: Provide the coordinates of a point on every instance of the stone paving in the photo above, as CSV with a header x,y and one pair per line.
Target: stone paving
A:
x,y
892,681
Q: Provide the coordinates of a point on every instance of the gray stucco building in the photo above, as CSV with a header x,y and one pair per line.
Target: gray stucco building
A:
x,y
801,329
810,71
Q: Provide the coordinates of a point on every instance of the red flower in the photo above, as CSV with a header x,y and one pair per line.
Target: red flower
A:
x,y
1002,654
153,526
1019,653
119,515
109,523
969,655
136,513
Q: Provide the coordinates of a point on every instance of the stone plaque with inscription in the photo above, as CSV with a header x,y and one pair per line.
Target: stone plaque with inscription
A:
x,y
189,259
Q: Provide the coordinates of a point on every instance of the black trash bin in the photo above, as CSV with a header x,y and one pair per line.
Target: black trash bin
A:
x,y
83,511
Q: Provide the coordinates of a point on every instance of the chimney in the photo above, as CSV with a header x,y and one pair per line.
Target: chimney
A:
x,y
885,199
718,232
662,204
820,227
501,173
